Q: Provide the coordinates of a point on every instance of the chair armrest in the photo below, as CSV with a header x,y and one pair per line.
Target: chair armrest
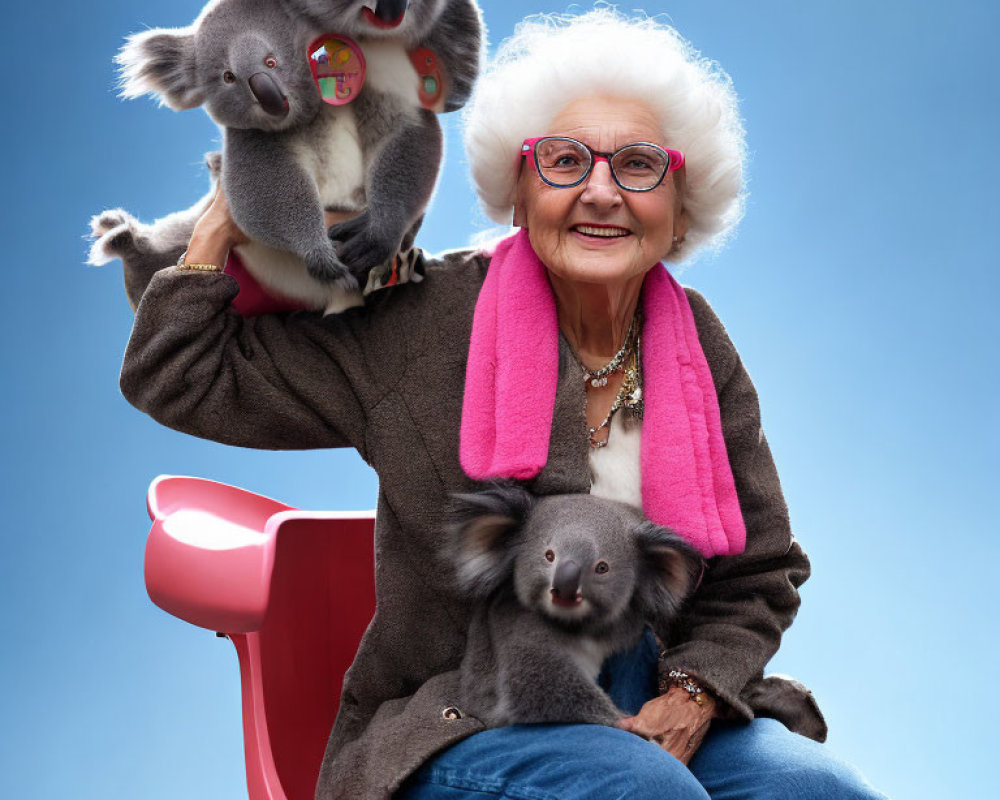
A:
x,y
210,552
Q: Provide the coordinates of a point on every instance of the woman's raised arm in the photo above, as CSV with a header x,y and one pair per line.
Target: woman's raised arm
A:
x,y
283,381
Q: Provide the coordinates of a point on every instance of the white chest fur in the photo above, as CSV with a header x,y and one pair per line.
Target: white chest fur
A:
x,y
588,655
390,71
329,152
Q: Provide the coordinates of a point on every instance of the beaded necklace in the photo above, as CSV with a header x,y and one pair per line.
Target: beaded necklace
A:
x,y
630,394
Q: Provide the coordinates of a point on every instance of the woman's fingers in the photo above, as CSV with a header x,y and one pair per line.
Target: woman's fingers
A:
x,y
673,721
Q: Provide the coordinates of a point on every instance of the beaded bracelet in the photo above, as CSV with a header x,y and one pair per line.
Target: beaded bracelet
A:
x,y
684,681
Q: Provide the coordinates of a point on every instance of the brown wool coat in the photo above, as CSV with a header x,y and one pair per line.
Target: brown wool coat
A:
x,y
387,379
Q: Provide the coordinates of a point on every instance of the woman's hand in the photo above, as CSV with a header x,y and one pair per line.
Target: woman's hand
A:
x,y
215,234
674,721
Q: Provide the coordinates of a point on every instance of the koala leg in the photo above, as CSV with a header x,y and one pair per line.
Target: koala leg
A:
x,y
273,200
143,249
540,685
146,249
400,184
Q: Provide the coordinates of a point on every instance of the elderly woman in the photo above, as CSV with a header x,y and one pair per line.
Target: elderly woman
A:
x,y
565,357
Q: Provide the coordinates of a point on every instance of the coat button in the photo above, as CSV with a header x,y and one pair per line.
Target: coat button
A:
x,y
451,714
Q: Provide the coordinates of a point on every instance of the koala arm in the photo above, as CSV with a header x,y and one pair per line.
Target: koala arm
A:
x,y
457,40
539,682
274,201
400,184
732,625
273,382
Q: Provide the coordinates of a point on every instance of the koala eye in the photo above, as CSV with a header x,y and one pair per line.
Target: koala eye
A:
x,y
602,567
228,77
270,62
550,556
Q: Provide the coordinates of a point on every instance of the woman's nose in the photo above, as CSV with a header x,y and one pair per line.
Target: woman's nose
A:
x,y
600,186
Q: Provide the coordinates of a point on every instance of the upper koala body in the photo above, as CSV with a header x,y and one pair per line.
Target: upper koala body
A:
x,y
288,156
452,29
564,582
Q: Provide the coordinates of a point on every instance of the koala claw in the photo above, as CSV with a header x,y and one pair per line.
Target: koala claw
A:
x,y
359,247
107,221
113,234
325,267
213,162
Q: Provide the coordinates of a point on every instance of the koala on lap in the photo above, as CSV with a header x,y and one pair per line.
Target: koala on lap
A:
x,y
562,582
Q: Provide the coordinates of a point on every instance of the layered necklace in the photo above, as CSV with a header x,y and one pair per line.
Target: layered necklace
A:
x,y
629,396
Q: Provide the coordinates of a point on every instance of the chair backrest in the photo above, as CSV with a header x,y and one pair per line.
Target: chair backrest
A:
x,y
322,599
304,589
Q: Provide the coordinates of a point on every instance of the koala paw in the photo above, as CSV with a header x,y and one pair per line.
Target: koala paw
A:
x,y
213,161
325,267
113,232
361,247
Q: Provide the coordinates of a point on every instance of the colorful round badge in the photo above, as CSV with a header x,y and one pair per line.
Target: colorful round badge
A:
x,y
429,73
338,68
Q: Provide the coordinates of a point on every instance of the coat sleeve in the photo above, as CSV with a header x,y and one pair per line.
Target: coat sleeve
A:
x,y
277,381
732,625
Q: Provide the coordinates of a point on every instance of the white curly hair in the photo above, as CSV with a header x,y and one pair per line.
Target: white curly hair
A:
x,y
552,60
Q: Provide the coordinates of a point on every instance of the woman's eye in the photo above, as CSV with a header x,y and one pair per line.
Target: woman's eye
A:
x,y
602,567
550,556
228,77
270,62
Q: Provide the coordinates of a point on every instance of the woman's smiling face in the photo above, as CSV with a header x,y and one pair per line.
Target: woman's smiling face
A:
x,y
597,232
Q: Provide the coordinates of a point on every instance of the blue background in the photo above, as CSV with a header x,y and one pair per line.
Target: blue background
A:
x,y
859,292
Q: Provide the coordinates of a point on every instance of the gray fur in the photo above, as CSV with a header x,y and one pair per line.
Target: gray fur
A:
x,y
379,155
144,249
528,658
453,29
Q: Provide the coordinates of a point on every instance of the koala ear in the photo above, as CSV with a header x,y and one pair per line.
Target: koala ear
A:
x,y
481,532
161,62
669,572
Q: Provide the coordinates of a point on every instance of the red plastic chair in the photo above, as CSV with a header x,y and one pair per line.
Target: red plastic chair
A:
x,y
293,590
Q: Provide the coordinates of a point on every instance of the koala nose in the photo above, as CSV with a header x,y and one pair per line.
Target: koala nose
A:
x,y
266,90
566,582
390,12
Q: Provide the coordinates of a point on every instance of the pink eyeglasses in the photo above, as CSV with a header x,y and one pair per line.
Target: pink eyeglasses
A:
x,y
564,162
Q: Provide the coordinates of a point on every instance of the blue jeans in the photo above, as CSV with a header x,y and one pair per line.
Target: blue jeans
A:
x,y
761,760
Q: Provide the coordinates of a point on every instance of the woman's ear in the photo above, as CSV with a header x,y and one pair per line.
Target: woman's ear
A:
x,y
520,218
681,219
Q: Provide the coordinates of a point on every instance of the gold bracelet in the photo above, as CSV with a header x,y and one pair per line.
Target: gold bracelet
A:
x,y
200,267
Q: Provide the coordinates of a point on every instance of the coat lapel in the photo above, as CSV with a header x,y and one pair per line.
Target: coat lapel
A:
x,y
567,469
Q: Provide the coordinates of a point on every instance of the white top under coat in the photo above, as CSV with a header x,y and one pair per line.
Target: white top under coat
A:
x,y
615,471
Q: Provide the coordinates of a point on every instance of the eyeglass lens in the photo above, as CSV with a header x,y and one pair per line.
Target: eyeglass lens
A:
x,y
564,162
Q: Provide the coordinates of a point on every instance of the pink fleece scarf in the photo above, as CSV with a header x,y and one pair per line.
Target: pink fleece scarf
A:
x,y
510,392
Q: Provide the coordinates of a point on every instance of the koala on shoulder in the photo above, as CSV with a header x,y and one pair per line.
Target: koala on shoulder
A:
x,y
288,156
562,581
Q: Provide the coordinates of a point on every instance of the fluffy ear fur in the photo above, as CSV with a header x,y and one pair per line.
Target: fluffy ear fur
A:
x,y
669,572
481,531
161,62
